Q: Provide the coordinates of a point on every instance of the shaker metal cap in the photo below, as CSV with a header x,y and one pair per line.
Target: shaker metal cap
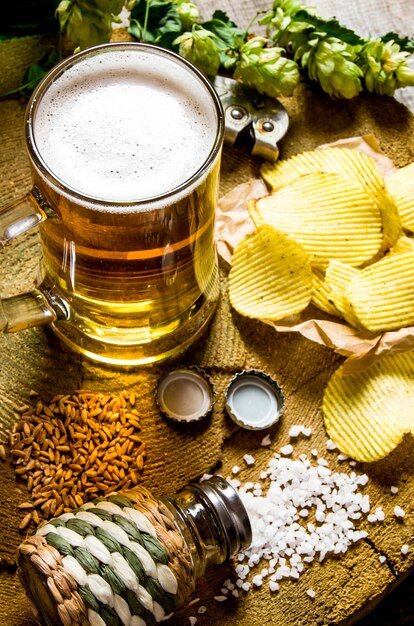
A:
x,y
185,395
230,511
254,400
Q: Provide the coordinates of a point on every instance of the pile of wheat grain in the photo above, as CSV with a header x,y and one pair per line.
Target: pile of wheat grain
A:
x,y
74,449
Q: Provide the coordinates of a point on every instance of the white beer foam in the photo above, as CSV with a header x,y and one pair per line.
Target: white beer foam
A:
x,y
125,126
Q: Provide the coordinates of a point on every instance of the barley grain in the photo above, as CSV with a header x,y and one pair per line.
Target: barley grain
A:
x,y
25,521
75,448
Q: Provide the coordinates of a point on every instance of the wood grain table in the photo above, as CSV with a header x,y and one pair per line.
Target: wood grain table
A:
x,y
347,588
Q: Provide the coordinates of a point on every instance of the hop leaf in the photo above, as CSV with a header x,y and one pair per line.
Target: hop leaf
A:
x,y
199,47
266,69
155,22
385,67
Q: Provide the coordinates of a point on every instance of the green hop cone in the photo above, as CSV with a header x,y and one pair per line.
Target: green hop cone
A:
x,y
385,67
199,47
188,12
280,21
330,62
88,23
266,69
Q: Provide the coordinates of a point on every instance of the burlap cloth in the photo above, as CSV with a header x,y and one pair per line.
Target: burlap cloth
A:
x,y
35,360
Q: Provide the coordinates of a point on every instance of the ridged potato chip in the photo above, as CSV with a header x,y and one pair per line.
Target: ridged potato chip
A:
x,y
338,276
321,293
400,185
330,215
270,276
404,244
382,295
368,413
350,163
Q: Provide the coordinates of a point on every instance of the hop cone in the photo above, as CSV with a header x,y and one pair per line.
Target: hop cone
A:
x,y
199,47
266,69
326,58
385,67
88,23
188,12
332,64
280,20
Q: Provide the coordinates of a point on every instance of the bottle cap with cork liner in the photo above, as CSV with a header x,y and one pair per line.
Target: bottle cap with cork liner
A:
x,y
254,400
185,395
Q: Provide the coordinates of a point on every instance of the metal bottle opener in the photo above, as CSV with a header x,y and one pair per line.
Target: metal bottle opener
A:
x,y
251,119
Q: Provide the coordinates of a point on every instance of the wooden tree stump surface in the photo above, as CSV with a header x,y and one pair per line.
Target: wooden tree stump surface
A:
x,y
346,586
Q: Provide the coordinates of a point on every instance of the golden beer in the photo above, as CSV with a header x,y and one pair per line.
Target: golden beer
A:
x,y
125,143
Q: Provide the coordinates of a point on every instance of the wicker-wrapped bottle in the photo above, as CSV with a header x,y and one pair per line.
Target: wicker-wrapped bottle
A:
x,y
130,559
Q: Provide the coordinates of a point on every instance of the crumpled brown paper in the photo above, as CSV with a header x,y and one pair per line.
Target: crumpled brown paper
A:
x,y
360,347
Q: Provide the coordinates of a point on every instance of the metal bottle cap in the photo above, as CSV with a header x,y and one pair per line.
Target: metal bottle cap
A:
x,y
254,400
185,395
230,512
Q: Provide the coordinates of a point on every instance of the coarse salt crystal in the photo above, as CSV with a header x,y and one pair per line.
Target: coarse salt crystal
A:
x,y
205,477
235,469
330,445
310,593
220,598
202,609
365,506
249,459
266,441
394,490
295,431
398,511
342,457
192,620
314,452
235,593
404,549
382,558
284,542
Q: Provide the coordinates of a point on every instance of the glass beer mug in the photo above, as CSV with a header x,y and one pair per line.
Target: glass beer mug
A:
x,y
124,142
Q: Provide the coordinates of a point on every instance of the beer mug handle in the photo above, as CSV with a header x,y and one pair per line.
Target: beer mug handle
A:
x,y
33,308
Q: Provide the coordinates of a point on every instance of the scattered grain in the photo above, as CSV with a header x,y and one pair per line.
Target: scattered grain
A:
x,y
25,521
74,449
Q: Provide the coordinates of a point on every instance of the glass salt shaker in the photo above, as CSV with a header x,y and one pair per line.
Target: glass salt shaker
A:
x,y
131,559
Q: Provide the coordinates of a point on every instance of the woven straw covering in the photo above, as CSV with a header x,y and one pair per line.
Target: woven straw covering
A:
x,y
118,561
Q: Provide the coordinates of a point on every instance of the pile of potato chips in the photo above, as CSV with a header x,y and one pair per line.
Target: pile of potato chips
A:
x,y
333,233
367,414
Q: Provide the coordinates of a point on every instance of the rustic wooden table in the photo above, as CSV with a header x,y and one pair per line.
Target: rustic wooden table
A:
x,y
347,587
